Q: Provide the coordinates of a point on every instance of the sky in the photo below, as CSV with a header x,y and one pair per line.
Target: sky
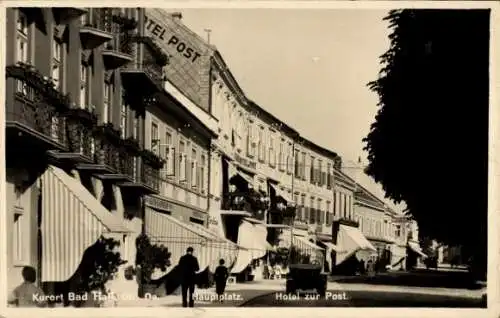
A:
x,y
308,67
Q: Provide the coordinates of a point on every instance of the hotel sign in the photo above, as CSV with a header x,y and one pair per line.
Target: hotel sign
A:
x,y
183,48
245,162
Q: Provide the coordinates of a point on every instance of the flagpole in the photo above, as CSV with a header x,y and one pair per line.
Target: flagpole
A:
x,y
293,195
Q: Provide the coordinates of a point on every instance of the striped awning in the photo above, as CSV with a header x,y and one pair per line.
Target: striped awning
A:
x,y
349,241
252,237
285,195
72,220
177,236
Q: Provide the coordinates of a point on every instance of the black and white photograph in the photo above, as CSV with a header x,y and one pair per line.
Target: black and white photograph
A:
x,y
219,157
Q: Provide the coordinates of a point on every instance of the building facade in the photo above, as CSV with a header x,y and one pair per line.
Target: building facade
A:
x,y
67,103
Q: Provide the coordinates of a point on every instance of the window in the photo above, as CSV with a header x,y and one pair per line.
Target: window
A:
x,y
311,171
169,154
329,175
289,156
319,213
22,47
250,141
154,138
22,38
84,85
108,93
194,161
312,213
282,165
303,206
328,212
398,230
303,166
262,146
297,166
202,173
57,63
182,161
272,152
123,125
20,239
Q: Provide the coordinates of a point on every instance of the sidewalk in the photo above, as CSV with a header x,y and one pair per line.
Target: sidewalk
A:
x,y
454,292
236,295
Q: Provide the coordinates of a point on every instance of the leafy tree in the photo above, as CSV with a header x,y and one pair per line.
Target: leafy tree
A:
x,y
428,145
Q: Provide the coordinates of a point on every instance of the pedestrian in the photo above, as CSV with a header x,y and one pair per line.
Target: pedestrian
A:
x,y
27,294
188,265
221,275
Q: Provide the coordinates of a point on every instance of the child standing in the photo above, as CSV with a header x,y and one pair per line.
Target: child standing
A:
x,y
220,276
27,294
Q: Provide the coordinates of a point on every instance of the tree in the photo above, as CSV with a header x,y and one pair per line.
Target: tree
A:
x,y
428,145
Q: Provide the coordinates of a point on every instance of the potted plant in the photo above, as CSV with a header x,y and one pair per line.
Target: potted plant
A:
x,y
154,160
148,258
132,145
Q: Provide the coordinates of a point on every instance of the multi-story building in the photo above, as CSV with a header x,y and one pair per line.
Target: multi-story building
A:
x,y
374,222
68,106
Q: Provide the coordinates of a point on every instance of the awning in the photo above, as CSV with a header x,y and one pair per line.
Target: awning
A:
x,y
282,194
330,247
72,221
233,171
252,238
177,236
349,241
416,248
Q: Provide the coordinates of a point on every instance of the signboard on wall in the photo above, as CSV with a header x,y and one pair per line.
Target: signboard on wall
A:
x,y
189,55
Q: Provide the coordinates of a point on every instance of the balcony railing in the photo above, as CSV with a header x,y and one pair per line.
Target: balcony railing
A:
x,y
147,68
149,175
252,202
37,105
80,124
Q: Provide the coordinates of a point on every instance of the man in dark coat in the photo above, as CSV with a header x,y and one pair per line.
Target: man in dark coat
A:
x,y
188,265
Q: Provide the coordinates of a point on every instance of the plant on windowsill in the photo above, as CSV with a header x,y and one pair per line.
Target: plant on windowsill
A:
x,y
127,23
85,115
151,158
100,263
148,258
108,130
42,84
132,145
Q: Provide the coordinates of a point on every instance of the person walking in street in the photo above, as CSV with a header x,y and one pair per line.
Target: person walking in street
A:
x,y
27,294
221,275
188,265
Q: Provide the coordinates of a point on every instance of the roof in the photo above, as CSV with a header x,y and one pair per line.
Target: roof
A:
x,y
356,171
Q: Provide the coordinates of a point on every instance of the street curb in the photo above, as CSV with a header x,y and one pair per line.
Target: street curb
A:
x,y
247,301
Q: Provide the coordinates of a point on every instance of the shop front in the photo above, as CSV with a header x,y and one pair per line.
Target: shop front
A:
x,y
348,241
178,227
72,221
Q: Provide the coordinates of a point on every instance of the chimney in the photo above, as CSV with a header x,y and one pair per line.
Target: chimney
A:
x,y
177,16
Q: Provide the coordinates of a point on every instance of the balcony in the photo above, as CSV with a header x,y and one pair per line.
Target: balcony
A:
x,y
111,159
114,57
34,120
146,180
252,202
146,74
97,28
80,123
64,15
